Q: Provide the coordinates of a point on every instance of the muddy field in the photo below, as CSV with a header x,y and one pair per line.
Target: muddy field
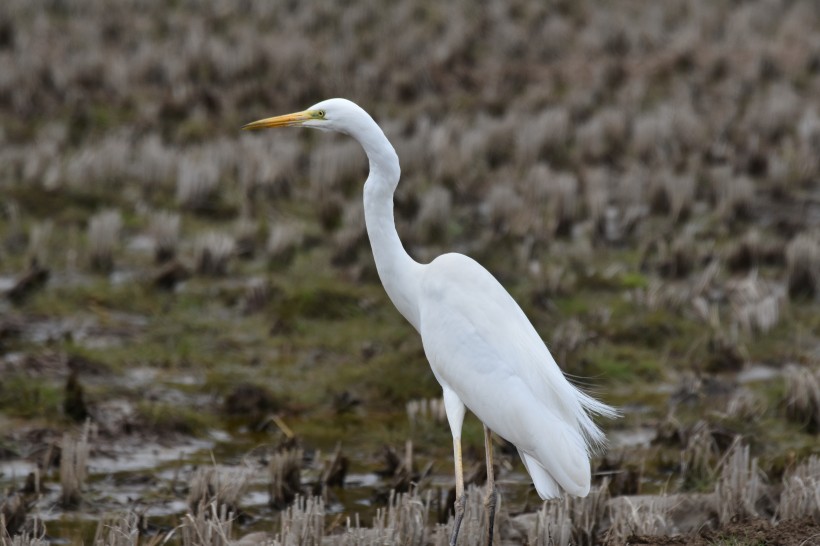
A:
x,y
194,344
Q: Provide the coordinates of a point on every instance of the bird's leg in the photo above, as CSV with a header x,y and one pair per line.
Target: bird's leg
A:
x,y
461,498
492,493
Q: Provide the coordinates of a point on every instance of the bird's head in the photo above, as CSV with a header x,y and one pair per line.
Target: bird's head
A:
x,y
339,115
346,117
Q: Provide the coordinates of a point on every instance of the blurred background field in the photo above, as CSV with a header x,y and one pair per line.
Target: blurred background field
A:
x,y
644,178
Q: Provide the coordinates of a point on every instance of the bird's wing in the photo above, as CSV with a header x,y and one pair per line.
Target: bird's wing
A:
x,y
482,346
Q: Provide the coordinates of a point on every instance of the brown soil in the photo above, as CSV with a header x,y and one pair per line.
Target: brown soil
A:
x,y
802,532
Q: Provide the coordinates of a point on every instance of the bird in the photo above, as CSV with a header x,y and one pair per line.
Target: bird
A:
x,y
482,348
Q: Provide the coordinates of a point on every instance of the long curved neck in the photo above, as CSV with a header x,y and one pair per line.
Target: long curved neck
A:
x,y
398,272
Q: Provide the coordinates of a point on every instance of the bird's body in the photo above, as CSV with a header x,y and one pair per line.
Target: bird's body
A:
x,y
483,350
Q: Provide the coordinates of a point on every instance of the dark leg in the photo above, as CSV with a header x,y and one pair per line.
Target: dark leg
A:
x,y
492,493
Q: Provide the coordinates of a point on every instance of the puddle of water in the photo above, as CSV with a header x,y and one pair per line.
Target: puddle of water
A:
x,y
69,279
43,331
145,457
641,436
140,376
85,329
15,471
362,480
189,380
220,436
148,477
14,358
255,498
757,372
141,243
118,278
7,283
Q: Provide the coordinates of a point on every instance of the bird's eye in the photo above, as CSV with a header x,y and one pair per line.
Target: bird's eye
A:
x,y
320,113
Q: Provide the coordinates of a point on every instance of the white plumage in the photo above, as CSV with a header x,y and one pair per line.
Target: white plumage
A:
x,y
483,350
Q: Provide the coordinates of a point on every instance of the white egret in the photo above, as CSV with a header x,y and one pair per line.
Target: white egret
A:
x,y
483,350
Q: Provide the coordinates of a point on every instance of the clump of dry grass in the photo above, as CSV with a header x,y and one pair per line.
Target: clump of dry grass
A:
x,y
553,526
699,456
154,162
542,136
164,229
800,497
285,469
744,405
333,469
331,210
802,396
400,470
598,184
74,465
284,237
707,280
426,409
15,238
568,337
571,520
213,252
631,517
434,213
724,351
502,205
803,266
212,525
352,235
103,237
257,295
39,241
197,182
473,530
24,539
99,165
672,194
603,135
259,174
739,486
245,232
403,521
756,305
302,523
338,163
746,253
735,196
673,259
218,486
666,133
34,278
587,514
775,111
563,197
118,530
14,511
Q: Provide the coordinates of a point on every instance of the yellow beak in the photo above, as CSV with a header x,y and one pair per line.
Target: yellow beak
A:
x,y
280,121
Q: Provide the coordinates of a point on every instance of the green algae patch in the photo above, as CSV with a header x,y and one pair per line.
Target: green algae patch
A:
x,y
607,362
168,417
22,395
